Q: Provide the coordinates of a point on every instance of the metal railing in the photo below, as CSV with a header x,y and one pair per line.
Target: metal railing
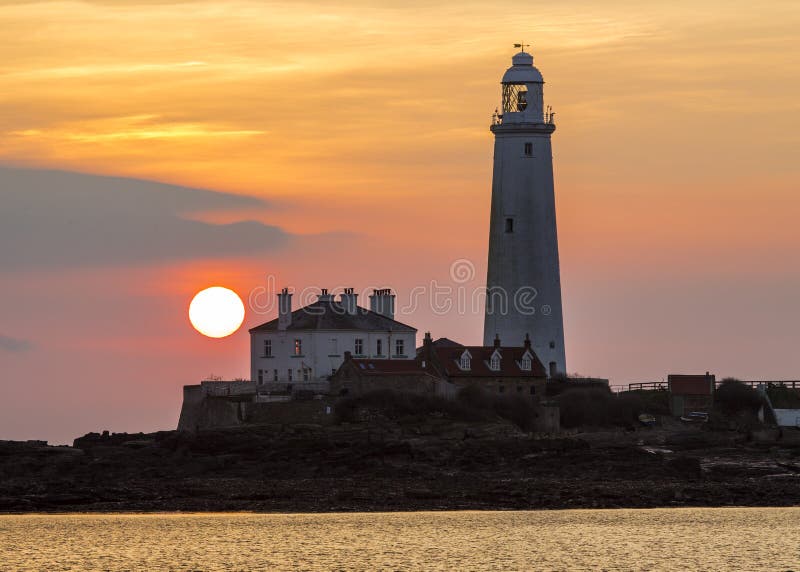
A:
x,y
664,386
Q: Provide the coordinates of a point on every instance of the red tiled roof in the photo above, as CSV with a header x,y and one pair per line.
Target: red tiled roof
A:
x,y
510,359
691,384
388,366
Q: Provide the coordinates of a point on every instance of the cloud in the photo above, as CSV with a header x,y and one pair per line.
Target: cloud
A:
x,y
9,344
61,219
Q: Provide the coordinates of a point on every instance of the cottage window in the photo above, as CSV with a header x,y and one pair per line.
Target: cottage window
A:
x,y
306,373
495,363
465,363
509,225
260,376
267,348
399,347
298,347
528,149
526,363
379,347
274,375
289,373
359,347
334,346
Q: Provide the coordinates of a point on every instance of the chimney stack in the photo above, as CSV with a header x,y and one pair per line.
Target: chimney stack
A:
x,y
349,300
324,296
497,340
382,302
527,342
427,350
284,309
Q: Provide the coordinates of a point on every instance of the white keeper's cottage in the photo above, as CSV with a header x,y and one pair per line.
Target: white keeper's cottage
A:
x,y
307,345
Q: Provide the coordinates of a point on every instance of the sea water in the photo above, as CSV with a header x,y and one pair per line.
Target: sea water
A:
x,y
750,539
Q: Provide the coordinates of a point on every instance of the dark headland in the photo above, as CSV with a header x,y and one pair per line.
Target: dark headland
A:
x,y
401,460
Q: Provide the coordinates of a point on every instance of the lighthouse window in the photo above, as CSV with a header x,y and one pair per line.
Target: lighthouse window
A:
x,y
528,149
522,100
514,97
509,225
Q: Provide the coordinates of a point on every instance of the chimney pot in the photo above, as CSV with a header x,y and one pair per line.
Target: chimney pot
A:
x,y
382,302
349,300
284,309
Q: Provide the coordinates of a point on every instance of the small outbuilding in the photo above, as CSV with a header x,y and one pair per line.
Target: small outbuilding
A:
x,y
688,393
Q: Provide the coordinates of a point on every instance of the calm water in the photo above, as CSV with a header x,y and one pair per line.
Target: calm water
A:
x,y
662,539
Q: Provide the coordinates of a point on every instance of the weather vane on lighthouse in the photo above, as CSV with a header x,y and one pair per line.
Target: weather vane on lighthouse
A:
x,y
522,46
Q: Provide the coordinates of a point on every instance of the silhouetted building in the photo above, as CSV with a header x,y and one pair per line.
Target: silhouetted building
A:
x,y
688,393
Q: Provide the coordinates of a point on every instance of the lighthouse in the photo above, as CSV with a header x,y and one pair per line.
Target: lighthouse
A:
x,y
523,282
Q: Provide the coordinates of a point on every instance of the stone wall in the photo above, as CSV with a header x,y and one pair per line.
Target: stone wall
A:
x,y
348,383
534,388
314,411
228,388
201,411
549,419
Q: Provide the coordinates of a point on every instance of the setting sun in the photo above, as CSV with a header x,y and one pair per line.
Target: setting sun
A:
x,y
216,312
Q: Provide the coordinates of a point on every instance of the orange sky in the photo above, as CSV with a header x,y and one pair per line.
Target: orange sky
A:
x,y
365,130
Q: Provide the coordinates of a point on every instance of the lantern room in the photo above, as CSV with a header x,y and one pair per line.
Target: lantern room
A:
x,y
522,91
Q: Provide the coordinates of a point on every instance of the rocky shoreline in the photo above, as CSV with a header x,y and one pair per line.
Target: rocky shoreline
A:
x,y
435,465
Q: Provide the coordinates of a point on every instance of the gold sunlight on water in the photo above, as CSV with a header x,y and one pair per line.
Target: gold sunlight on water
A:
x,y
656,540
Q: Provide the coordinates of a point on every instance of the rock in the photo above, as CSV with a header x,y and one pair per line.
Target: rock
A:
x,y
685,466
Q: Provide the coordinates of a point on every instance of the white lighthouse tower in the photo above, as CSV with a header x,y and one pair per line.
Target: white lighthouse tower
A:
x,y
523,281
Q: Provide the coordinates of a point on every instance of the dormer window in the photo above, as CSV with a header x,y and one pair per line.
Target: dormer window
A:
x,y
494,364
526,363
465,361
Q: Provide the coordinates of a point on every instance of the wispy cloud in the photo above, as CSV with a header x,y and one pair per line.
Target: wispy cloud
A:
x,y
59,219
14,345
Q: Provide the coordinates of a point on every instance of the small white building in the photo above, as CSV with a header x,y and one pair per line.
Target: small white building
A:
x,y
787,417
306,346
